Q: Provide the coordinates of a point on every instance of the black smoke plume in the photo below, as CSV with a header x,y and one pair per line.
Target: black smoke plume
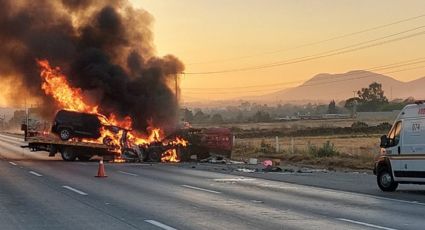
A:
x,y
103,47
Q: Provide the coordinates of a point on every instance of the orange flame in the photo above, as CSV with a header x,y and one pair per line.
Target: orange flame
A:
x,y
170,156
56,85
179,141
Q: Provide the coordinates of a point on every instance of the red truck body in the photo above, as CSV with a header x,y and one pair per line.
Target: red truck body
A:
x,y
217,140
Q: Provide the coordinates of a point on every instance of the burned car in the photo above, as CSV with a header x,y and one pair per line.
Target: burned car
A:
x,y
70,124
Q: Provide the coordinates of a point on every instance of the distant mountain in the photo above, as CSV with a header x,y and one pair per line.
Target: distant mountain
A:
x,y
325,87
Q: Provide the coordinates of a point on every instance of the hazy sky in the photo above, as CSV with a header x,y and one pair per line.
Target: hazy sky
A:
x,y
215,35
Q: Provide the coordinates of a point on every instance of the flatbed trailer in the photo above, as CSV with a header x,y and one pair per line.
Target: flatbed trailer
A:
x,y
71,150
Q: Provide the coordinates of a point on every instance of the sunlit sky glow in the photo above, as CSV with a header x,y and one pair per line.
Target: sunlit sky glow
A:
x,y
214,35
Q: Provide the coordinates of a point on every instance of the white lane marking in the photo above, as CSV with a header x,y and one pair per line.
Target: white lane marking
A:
x,y
365,224
75,190
35,174
12,163
257,201
365,195
331,190
233,179
201,189
127,173
160,225
397,200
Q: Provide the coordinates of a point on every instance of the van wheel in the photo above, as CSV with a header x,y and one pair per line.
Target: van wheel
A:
x,y
65,134
68,154
386,181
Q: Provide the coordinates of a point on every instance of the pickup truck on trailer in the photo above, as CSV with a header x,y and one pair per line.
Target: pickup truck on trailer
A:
x,y
70,127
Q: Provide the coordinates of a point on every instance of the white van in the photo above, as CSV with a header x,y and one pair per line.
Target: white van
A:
x,y
402,156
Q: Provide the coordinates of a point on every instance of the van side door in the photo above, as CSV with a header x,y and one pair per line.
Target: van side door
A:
x,y
413,150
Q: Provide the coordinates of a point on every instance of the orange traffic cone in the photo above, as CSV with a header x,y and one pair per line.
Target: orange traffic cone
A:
x,y
101,170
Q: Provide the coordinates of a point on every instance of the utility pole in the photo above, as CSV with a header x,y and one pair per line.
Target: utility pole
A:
x,y
176,81
26,119
176,89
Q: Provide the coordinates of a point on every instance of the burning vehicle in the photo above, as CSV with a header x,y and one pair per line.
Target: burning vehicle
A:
x,y
70,124
84,132
118,145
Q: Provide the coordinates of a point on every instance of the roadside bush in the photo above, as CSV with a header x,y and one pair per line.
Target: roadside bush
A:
x,y
266,147
327,150
384,126
359,125
243,150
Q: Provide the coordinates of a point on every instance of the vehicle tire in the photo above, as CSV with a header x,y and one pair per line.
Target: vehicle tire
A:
x,y
143,155
84,158
65,134
386,181
154,156
68,154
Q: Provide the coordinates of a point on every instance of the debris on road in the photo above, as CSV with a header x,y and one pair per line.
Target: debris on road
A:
x,y
220,160
246,170
267,163
272,169
253,161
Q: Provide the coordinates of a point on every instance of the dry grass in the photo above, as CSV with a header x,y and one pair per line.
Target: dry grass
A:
x,y
300,124
355,152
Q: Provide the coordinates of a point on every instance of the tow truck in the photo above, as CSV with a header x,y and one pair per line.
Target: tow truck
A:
x,y
73,149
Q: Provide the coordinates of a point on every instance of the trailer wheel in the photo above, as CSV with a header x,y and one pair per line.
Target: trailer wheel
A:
x,y
386,181
68,154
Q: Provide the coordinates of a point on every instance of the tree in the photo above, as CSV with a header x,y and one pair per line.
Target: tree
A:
x,y
369,99
351,102
239,117
261,116
187,115
200,116
373,94
332,107
217,118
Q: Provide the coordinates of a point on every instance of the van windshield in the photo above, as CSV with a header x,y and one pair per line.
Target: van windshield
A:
x,y
394,135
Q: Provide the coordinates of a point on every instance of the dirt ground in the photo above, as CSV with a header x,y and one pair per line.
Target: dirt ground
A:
x,y
355,152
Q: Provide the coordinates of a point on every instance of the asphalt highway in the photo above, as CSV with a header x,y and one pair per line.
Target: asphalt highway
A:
x,y
38,192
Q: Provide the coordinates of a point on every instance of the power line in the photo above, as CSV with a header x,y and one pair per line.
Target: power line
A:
x,y
376,68
315,84
339,51
314,43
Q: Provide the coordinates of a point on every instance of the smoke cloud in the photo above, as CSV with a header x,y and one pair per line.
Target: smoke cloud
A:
x,y
103,47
